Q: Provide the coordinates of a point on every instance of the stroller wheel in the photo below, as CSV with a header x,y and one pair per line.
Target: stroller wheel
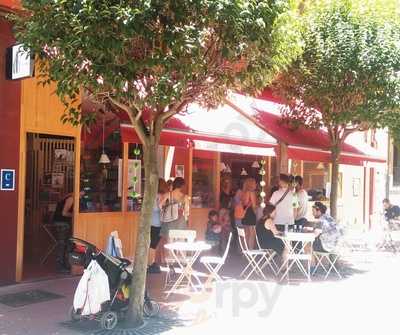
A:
x,y
74,315
150,308
109,320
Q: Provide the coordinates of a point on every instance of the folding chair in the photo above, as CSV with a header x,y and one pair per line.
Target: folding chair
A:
x,y
254,258
177,235
49,229
331,260
268,258
214,264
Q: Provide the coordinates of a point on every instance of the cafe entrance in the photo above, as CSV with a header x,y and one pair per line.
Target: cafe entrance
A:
x,y
49,177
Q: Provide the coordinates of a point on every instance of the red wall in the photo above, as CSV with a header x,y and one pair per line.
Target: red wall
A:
x,y
9,158
181,157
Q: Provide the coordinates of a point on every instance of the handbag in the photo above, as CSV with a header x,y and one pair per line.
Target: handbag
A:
x,y
240,211
170,212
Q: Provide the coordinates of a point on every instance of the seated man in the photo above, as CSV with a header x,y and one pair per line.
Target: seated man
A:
x,y
326,230
392,212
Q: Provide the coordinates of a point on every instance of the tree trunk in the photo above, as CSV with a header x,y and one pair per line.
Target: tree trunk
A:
x,y
335,156
150,158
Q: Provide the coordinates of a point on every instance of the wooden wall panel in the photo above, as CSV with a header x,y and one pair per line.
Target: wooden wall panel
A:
x,y
198,221
96,227
41,110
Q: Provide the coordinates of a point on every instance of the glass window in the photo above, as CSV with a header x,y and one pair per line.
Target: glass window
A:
x,y
100,170
136,175
317,180
203,189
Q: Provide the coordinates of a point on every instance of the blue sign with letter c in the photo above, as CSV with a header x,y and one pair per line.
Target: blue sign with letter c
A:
x,y
7,178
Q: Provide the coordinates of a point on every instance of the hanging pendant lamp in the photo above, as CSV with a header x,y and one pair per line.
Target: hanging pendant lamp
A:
x,y
104,159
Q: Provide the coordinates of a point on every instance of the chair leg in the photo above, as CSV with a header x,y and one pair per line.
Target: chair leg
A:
x,y
256,267
319,259
245,269
332,266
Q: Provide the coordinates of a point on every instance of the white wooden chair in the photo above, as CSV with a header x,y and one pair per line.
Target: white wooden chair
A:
x,y
177,235
255,258
214,264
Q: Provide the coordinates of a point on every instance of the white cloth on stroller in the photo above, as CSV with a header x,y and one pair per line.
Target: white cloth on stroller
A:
x,y
93,290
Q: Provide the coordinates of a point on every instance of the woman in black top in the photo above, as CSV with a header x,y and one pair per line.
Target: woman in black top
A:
x,y
267,232
226,195
62,220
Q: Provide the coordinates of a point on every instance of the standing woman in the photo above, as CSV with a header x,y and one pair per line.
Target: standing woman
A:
x,y
249,202
155,235
175,213
226,196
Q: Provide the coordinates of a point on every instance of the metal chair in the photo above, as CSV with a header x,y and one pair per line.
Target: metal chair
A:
x,y
48,228
214,264
254,258
268,258
331,259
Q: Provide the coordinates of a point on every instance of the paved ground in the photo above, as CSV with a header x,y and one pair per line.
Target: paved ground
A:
x,y
366,302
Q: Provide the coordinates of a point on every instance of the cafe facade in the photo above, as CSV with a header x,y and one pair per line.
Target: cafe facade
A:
x,y
51,159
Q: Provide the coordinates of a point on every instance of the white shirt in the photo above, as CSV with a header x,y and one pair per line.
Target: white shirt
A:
x,y
284,210
302,199
93,289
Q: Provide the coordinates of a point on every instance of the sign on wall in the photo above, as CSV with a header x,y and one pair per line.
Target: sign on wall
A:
x,y
7,180
19,63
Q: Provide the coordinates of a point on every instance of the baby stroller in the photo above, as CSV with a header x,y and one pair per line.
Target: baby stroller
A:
x,y
119,278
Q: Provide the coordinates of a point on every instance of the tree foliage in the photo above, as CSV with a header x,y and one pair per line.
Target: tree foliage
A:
x,y
158,55
348,75
151,58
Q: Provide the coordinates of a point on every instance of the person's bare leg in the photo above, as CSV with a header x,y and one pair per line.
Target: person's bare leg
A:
x,y
151,257
250,236
253,237
161,249
308,250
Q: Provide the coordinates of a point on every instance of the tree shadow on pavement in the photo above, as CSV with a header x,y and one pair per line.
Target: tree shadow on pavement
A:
x,y
166,321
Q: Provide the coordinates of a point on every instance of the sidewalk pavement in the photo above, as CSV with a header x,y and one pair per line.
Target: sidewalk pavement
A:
x,y
363,303
42,318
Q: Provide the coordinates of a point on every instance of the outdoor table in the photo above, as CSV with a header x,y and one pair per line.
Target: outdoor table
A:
x,y
185,255
296,243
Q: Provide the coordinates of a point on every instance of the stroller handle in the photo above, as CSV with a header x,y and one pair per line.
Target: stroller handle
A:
x,y
85,243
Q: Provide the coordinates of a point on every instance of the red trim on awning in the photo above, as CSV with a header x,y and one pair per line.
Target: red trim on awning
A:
x,y
11,4
181,138
320,156
303,144
261,114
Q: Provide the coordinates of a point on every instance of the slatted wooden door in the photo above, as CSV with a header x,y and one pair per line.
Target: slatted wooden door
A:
x,y
48,178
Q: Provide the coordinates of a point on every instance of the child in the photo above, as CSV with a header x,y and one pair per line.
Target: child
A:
x,y
214,230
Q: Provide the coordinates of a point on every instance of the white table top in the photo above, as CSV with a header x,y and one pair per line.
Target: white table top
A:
x,y
188,246
303,237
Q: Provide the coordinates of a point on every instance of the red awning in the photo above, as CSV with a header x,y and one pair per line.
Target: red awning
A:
x,y
303,144
215,130
11,4
252,126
